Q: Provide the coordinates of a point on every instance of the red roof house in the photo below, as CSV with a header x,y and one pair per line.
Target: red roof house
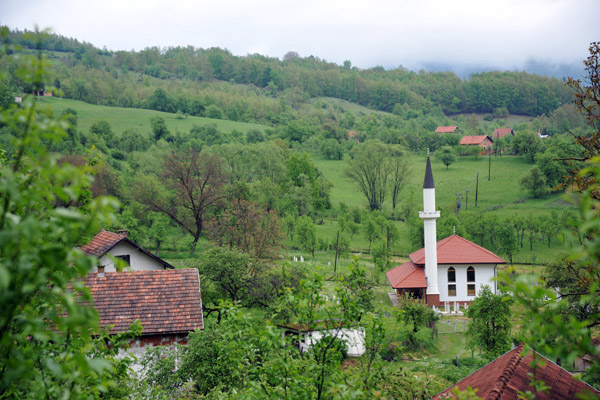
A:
x,y
509,374
109,244
501,132
483,141
447,129
168,303
455,254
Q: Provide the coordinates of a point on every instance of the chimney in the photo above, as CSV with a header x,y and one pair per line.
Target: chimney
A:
x,y
122,232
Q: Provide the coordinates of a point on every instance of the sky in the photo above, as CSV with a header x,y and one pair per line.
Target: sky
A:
x,y
415,34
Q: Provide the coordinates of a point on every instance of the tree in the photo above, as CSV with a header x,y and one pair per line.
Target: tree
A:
x,y
159,128
508,241
400,170
48,345
248,227
416,315
491,323
192,184
372,227
535,182
446,155
306,234
527,144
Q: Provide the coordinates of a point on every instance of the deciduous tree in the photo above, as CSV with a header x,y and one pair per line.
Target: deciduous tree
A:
x,y
491,323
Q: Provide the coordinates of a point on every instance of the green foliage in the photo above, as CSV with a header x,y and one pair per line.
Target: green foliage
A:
x,y
446,155
535,182
491,323
416,314
48,345
159,128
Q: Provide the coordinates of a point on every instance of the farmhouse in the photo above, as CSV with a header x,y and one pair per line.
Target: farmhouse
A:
x,y
501,132
508,375
167,303
108,245
452,270
447,129
483,141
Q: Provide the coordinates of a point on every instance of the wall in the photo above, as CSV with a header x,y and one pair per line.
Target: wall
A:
x,y
138,260
484,275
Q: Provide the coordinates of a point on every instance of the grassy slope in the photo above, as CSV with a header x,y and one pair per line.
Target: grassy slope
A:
x,y
121,118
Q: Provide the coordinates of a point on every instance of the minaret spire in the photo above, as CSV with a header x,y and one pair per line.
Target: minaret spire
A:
x,y
429,216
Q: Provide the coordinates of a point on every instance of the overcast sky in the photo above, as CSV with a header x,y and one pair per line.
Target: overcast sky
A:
x,y
502,34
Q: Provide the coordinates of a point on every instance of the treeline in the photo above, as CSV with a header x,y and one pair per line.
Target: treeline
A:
x,y
398,91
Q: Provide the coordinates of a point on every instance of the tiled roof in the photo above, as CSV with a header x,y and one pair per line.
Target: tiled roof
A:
x,y
504,377
457,250
165,301
105,240
407,275
478,139
501,132
446,129
102,242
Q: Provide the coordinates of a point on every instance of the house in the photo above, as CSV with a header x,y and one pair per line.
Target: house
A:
x,y
501,132
168,304
447,129
484,141
106,245
511,373
583,363
305,337
451,270
353,135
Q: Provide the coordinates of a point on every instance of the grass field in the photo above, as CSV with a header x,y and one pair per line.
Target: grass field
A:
x,y
121,118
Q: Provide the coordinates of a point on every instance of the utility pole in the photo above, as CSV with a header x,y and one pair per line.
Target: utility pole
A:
x,y
489,166
337,245
477,189
467,201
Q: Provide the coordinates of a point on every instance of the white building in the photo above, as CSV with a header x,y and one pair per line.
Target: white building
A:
x,y
450,270
109,245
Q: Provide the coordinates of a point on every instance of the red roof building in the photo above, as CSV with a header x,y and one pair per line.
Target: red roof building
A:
x,y
109,244
509,374
168,303
447,129
455,257
501,132
484,141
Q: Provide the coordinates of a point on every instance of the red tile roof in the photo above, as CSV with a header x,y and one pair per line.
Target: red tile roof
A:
x,y
470,140
407,275
501,132
457,250
504,377
446,129
165,301
105,240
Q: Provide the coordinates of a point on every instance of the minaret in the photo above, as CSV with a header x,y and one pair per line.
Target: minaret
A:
x,y
429,216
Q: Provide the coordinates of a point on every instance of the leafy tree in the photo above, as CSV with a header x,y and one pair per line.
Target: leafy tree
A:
x,y
491,323
416,315
528,144
306,234
535,182
48,345
507,240
6,95
192,184
446,155
159,128
400,170
214,112
372,228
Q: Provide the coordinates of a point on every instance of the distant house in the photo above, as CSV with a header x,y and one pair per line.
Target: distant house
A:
x,y
501,132
511,373
353,135
109,244
583,363
168,304
305,337
483,141
447,129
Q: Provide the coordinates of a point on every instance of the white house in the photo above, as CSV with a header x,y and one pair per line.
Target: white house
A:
x,y
450,270
305,337
106,245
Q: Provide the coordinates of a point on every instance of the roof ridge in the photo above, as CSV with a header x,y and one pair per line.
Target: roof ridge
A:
x,y
506,376
481,247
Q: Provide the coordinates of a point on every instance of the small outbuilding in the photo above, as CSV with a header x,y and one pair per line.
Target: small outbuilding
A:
x,y
501,132
447,129
305,336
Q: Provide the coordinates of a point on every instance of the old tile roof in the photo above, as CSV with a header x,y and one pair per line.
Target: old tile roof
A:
x,y
165,301
457,250
104,241
504,377
446,129
407,275
501,132
470,140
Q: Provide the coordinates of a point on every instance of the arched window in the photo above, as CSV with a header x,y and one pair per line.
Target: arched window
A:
x,y
451,274
451,281
471,278
470,274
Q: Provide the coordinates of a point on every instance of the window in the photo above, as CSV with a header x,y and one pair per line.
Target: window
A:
x,y
451,290
470,274
101,269
471,290
125,258
451,274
